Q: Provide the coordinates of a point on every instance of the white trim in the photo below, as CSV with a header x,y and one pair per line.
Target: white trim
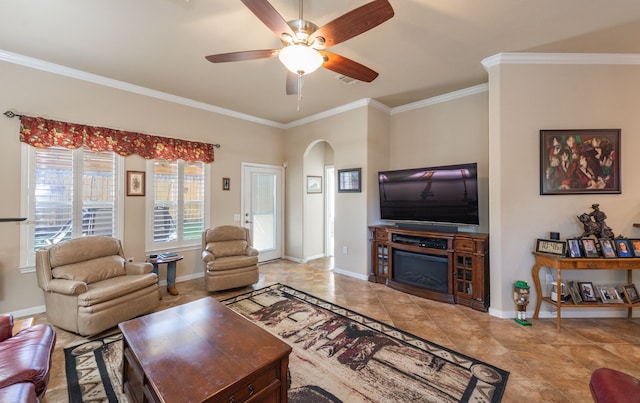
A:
x,y
560,58
350,274
442,98
34,310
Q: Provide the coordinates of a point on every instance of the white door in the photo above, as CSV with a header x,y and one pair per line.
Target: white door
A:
x,y
262,208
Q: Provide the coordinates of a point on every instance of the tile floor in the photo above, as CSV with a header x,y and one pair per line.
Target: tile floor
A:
x,y
545,366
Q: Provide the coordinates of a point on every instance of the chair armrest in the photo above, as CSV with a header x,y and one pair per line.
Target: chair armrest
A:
x,y
208,256
251,251
6,326
138,267
67,287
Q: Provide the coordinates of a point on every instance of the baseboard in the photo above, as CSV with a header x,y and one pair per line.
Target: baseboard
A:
x,y
350,274
29,311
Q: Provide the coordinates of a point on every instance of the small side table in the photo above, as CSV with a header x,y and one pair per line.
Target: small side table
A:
x,y
170,261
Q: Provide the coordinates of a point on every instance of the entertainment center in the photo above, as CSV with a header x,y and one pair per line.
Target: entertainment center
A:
x,y
444,266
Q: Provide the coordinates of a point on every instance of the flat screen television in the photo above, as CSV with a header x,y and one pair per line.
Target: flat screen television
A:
x,y
444,194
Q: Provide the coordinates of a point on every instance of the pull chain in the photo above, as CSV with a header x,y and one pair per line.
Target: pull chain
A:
x,y
300,80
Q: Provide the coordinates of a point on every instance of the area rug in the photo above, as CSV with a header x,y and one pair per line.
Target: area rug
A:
x,y
342,356
94,370
338,356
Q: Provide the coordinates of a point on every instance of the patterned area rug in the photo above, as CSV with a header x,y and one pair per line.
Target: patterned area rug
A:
x,y
340,355
94,370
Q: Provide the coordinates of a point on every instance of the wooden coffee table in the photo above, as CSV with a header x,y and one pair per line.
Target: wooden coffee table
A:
x,y
202,351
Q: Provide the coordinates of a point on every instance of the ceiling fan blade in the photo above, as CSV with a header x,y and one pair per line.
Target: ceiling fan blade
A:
x,y
269,17
353,23
244,55
292,83
347,67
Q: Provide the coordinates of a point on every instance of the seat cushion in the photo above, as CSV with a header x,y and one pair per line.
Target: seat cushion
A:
x,y
93,270
612,386
232,262
115,287
227,248
23,392
26,357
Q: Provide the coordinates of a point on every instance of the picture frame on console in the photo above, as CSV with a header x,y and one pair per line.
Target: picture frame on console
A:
x,y
623,248
635,247
631,293
573,248
587,292
589,247
595,153
606,246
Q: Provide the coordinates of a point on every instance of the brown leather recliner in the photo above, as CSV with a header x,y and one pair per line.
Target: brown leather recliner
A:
x,y
89,286
230,260
25,361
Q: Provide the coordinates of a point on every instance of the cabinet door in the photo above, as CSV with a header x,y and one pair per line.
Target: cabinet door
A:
x,y
382,257
463,276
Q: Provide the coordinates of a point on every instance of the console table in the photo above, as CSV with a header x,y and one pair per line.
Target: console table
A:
x,y
560,263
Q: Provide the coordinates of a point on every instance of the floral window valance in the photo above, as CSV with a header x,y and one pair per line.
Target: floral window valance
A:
x,y
40,132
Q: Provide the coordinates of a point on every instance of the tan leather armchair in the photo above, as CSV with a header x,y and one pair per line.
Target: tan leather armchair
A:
x,y
89,286
229,258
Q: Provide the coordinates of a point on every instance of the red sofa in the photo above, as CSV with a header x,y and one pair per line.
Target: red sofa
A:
x,y
25,361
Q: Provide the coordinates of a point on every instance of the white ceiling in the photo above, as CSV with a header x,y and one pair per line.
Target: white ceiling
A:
x,y
430,47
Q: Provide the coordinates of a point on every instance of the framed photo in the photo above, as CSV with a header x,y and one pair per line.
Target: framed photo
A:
x,y
579,161
587,292
635,247
314,184
226,184
609,295
624,250
589,247
349,180
135,183
606,246
551,246
573,248
631,293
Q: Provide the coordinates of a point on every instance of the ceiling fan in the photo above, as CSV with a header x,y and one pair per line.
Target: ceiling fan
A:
x,y
304,43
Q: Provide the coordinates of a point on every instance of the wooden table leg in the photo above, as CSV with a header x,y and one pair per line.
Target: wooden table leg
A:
x,y
535,273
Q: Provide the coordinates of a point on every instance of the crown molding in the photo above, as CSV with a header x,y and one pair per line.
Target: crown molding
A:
x,y
477,89
560,58
121,85
124,86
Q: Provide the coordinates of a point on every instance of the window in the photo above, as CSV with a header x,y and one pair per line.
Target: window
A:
x,y
69,193
176,206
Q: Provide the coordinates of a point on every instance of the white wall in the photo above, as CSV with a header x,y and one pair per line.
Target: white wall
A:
x,y
555,92
38,93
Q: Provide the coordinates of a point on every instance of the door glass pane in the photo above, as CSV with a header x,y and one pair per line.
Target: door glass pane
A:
x,y
263,207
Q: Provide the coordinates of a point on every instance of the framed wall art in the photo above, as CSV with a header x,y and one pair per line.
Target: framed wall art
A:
x,y
580,161
135,183
226,184
314,184
349,180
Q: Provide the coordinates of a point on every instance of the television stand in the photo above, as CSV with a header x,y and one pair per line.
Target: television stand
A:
x,y
445,266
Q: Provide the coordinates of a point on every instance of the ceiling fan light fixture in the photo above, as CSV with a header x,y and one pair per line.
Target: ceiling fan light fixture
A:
x,y
300,59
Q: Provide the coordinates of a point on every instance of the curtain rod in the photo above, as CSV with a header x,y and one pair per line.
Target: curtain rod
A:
x,y
11,114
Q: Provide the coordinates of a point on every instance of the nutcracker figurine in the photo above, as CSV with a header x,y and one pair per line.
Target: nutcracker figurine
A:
x,y
521,298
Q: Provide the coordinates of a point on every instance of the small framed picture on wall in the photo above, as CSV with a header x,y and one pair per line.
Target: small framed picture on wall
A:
x,y
135,183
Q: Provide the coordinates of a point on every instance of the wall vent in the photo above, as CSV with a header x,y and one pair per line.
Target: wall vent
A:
x,y
347,80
